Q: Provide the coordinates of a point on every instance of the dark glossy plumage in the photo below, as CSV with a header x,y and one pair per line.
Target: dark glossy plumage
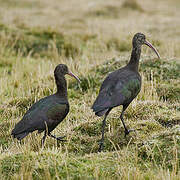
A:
x,y
121,86
48,112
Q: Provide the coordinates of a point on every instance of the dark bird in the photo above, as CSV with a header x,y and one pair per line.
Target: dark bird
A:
x,y
48,112
121,86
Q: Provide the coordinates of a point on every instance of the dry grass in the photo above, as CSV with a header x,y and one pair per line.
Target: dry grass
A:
x,y
92,38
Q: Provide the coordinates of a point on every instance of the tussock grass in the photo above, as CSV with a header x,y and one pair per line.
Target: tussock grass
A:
x,y
132,4
93,39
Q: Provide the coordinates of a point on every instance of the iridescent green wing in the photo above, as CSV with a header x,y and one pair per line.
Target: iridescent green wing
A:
x,y
57,111
131,88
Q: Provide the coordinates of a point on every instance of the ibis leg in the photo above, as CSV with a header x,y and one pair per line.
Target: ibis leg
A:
x,y
125,128
44,137
122,119
101,145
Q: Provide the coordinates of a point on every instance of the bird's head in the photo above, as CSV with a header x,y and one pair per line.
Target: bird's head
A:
x,y
139,39
62,70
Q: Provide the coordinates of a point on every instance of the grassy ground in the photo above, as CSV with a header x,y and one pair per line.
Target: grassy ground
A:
x,y
93,38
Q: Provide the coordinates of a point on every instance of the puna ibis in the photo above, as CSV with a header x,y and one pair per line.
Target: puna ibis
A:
x,y
48,112
121,86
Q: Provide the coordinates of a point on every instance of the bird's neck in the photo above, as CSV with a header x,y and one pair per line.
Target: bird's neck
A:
x,y
61,86
134,60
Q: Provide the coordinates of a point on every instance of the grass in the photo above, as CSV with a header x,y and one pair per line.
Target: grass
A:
x,y
93,39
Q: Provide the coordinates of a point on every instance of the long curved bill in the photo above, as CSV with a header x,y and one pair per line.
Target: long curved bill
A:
x,y
152,47
74,76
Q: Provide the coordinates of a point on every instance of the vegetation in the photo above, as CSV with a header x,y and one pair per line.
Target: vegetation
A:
x,y
93,38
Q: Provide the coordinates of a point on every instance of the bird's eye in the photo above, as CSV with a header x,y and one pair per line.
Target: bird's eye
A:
x,y
140,39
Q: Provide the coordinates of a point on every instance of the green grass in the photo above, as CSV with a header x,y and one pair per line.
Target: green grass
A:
x,y
93,39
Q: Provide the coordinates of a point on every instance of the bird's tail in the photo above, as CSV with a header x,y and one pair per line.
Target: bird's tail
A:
x,y
101,113
19,136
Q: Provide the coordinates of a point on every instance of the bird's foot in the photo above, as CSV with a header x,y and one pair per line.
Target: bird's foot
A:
x,y
61,138
127,131
101,146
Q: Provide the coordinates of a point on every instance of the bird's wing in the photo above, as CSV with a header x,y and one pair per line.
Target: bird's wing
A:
x,y
58,111
30,122
36,118
116,91
38,104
